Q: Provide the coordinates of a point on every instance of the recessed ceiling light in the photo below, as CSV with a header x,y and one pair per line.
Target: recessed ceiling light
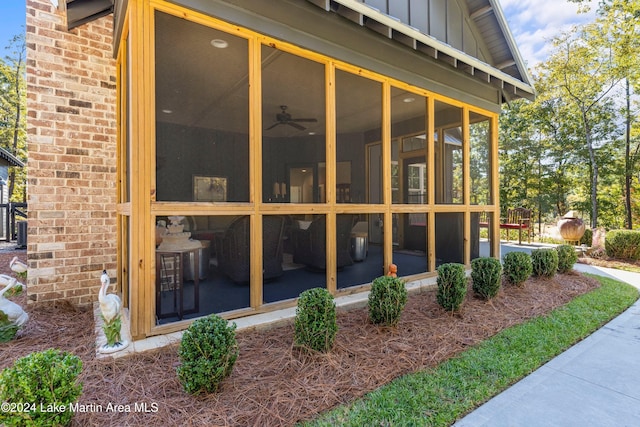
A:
x,y
167,111
219,43
408,99
312,133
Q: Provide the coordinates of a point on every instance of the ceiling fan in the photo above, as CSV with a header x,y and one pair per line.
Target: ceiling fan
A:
x,y
284,118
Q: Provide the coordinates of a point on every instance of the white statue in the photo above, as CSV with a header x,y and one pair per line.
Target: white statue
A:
x,y
17,266
15,314
110,305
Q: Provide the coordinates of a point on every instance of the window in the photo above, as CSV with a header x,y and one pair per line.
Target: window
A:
x,y
449,173
293,123
480,158
202,109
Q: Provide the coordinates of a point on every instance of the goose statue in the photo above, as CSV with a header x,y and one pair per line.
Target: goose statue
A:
x,y
17,266
16,315
109,303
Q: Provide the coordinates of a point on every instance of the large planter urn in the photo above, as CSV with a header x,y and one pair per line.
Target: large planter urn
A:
x,y
571,227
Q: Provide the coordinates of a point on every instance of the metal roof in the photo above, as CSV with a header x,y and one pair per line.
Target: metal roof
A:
x,y
506,71
9,158
82,11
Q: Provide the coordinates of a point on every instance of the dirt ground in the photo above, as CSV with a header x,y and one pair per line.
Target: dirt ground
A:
x,y
272,382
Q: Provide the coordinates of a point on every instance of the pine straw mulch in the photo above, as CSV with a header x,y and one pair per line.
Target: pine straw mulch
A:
x,y
274,383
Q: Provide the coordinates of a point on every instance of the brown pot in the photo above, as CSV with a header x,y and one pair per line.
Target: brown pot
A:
x,y
571,229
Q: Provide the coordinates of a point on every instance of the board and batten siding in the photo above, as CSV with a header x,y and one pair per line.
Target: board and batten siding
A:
x,y
442,19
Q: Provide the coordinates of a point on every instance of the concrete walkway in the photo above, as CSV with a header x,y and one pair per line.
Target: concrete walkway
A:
x,y
594,383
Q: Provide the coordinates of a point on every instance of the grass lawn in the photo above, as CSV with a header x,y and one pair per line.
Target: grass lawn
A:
x,y
440,396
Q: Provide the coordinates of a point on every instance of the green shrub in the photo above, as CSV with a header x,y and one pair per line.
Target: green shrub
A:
x,y
7,329
517,267
587,237
315,322
208,350
452,286
41,387
623,244
544,262
386,300
567,257
486,275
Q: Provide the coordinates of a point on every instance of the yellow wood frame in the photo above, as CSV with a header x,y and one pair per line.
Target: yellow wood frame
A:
x,y
136,263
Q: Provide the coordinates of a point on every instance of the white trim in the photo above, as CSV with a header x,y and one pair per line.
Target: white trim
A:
x,y
440,47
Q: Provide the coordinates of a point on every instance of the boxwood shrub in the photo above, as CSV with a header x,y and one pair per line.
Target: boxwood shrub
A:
x,y
41,387
208,351
387,299
587,237
452,286
544,262
623,244
517,267
315,323
567,257
486,276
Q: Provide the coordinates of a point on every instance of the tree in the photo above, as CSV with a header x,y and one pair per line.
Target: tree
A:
x,y
619,25
12,107
583,67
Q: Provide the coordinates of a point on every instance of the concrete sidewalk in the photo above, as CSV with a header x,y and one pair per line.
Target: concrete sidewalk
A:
x,y
594,383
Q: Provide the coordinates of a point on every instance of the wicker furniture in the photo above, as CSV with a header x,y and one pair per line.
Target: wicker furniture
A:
x,y
233,249
310,245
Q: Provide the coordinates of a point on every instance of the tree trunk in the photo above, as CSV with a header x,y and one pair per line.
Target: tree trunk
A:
x,y
16,124
628,162
594,170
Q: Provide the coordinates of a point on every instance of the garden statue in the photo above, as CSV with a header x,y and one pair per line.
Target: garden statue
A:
x,y
110,305
12,316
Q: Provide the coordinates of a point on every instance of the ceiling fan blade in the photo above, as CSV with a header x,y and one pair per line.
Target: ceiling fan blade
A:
x,y
305,120
273,125
297,126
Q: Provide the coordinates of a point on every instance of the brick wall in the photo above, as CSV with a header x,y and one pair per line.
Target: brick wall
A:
x,y
71,171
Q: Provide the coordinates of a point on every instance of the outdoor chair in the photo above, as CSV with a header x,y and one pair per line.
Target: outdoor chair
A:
x,y
310,244
518,219
233,249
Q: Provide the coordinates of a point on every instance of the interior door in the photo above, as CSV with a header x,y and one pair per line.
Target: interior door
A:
x,y
414,191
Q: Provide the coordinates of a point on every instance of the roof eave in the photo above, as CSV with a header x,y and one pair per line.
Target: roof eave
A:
x,y
510,86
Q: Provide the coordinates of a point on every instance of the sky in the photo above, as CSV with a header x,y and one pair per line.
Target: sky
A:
x,y
532,22
12,21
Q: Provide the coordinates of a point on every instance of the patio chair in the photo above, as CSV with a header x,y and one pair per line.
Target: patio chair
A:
x,y
518,219
310,244
233,249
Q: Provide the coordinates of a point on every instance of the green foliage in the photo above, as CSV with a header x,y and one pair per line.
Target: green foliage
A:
x,y
544,262
315,323
587,237
486,275
7,330
439,396
567,257
208,351
517,267
452,286
42,386
16,290
386,300
112,330
623,244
